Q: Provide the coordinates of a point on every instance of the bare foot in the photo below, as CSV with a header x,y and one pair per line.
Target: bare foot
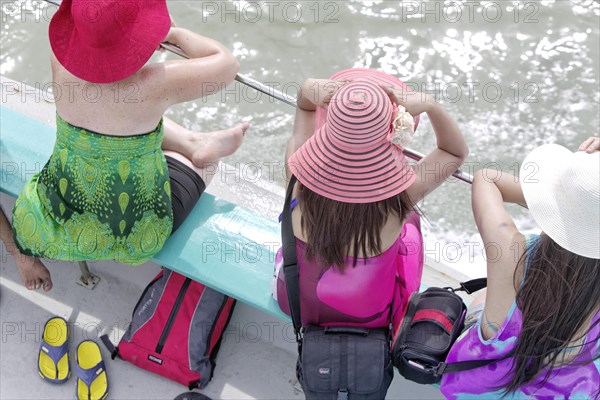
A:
x,y
209,147
33,273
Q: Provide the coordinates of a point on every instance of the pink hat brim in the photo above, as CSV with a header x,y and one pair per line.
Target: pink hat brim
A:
x,y
321,172
364,174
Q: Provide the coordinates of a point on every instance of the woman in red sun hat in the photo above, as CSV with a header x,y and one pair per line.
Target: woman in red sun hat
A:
x,y
358,240
109,191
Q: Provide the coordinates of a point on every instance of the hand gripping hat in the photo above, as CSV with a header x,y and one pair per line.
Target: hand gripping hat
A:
x,y
562,190
350,158
104,41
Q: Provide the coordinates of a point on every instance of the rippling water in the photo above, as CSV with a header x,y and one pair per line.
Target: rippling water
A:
x,y
514,74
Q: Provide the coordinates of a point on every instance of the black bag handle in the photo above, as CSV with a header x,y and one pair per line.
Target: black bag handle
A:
x,y
352,330
192,396
290,260
472,286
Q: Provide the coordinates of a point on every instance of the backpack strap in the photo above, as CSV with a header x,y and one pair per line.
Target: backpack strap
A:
x,y
290,260
114,351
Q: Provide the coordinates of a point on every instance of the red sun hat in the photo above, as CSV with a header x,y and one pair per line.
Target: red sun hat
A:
x,y
104,41
350,158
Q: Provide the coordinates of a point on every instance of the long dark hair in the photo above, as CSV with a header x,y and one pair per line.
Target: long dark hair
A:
x,y
560,293
335,229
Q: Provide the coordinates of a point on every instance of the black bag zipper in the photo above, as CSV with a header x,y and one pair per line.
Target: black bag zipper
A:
x,y
172,315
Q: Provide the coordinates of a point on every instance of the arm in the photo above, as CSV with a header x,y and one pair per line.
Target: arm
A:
x,y
491,189
451,148
449,155
211,68
313,93
503,243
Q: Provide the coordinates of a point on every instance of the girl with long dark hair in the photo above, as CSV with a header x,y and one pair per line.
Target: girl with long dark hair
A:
x,y
540,315
358,238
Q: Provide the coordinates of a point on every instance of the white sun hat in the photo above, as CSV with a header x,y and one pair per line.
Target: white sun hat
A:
x,y
562,190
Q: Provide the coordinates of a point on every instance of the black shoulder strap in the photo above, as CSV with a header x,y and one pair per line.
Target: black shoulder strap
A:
x,y
472,285
290,261
468,365
469,287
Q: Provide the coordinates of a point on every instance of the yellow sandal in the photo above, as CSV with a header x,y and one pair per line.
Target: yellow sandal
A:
x,y
53,357
92,381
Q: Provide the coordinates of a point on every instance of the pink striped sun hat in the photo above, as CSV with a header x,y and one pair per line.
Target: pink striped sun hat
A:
x,y
363,74
350,158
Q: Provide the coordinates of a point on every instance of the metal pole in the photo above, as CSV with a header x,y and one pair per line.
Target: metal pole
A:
x,y
412,154
85,271
87,280
242,79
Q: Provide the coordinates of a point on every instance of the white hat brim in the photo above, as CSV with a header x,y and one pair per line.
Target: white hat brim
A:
x,y
554,209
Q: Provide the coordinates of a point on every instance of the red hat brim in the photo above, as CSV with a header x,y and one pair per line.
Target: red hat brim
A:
x,y
113,63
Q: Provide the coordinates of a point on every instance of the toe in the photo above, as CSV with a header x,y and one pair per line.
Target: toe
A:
x,y
245,127
47,285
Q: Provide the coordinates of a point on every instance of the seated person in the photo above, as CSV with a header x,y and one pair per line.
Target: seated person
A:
x,y
358,237
540,314
109,191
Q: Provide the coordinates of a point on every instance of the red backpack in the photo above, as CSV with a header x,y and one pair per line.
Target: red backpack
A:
x,y
176,329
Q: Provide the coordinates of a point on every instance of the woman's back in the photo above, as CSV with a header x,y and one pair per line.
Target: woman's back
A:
x,y
575,376
368,291
578,379
128,107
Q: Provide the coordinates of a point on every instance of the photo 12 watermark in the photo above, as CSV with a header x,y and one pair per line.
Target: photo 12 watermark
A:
x,y
446,92
253,12
469,11
71,92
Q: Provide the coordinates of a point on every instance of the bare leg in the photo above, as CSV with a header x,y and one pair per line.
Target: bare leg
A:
x,y
202,148
33,273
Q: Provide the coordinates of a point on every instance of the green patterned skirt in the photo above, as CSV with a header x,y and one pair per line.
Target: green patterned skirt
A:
x,y
99,197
